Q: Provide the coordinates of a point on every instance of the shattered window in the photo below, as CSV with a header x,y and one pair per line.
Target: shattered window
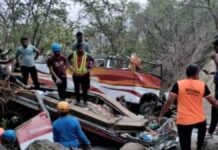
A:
x,y
117,63
154,69
100,62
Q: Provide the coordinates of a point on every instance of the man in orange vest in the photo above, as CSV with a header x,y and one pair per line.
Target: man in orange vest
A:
x,y
189,94
81,63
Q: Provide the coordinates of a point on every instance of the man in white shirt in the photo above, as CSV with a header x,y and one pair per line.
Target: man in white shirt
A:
x,y
27,52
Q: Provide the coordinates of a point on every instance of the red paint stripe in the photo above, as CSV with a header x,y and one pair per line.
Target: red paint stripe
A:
x,y
114,77
96,90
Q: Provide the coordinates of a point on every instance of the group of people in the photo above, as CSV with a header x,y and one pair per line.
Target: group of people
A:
x,y
189,94
66,129
79,62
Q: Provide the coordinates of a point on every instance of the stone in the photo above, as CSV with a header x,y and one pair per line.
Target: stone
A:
x,y
45,145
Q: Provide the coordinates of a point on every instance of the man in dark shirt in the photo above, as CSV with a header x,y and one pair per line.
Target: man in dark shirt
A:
x,y
85,45
57,65
189,94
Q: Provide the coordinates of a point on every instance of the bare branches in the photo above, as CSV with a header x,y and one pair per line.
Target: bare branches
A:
x,y
213,14
107,18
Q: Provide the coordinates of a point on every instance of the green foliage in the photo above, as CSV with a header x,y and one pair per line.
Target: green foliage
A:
x,y
42,21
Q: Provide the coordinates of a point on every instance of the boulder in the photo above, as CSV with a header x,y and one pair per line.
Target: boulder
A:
x,y
45,145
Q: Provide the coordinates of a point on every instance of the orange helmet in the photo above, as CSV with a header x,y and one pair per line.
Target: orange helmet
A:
x,y
63,107
1,131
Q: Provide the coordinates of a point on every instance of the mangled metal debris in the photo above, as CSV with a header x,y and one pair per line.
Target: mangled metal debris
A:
x,y
108,119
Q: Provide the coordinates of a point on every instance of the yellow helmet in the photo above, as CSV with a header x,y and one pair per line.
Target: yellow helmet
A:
x,y
63,107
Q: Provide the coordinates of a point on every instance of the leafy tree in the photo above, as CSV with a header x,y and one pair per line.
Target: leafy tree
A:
x,y
106,24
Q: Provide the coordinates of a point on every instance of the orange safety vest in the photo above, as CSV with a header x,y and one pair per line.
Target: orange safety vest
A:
x,y
83,65
190,102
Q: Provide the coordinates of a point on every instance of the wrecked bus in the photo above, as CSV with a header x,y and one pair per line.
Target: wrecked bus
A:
x,y
140,90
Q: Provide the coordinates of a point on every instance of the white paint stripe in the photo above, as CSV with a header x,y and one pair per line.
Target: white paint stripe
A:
x,y
113,93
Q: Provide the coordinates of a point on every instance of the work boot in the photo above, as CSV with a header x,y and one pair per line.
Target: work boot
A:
x,y
85,104
208,136
78,104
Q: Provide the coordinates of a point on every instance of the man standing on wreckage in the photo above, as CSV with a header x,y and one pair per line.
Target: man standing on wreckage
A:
x,y
189,94
26,53
57,65
81,63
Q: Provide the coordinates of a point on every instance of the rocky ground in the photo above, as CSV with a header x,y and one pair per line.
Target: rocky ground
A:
x,y
212,144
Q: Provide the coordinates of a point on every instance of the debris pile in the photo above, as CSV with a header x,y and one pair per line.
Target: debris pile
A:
x,y
101,109
161,135
6,94
157,136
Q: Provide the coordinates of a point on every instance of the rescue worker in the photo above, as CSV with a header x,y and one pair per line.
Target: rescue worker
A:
x,y
67,130
85,45
57,65
214,111
1,133
189,94
9,139
81,63
27,53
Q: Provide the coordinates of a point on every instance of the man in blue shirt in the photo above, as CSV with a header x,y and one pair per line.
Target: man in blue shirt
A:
x,y
26,52
67,130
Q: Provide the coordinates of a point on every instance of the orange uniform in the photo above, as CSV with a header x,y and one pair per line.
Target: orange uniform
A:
x,y
190,101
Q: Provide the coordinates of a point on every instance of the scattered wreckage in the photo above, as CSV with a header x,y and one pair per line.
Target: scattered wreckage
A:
x,y
103,118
